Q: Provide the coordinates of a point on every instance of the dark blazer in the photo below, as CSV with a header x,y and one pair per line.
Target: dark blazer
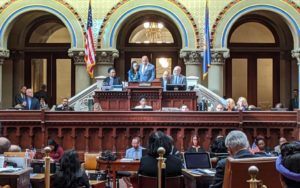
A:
x,y
193,150
220,168
35,104
148,166
116,81
41,94
63,108
19,99
81,180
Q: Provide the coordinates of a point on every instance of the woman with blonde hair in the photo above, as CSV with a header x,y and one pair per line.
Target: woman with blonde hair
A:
x,y
230,105
242,104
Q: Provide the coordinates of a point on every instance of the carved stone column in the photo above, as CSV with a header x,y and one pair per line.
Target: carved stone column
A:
x,y
104,60
296,55
3,55
82,78
216,71
192,60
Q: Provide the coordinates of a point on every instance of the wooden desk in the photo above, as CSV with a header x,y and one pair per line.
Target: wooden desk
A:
x,y
37,180
20,179
118,166
196,181
97,184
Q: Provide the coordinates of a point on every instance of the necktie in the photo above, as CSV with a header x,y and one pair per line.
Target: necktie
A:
x,y
111,81
144,68
176,80
136,156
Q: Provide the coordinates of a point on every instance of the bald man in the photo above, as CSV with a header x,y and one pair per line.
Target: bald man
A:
x,y
4,145
31,102
177,78
146,70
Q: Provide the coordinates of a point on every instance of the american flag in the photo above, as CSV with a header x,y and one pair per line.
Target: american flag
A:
x,y
89,57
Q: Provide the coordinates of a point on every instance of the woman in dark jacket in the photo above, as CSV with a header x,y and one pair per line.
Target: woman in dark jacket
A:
x,y
148,165
195,145
70,174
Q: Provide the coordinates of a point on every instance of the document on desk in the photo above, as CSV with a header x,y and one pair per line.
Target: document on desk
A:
x,y
126,160
9,170
203,171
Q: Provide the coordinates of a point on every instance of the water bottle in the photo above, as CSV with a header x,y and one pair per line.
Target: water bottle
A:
x,y
27,159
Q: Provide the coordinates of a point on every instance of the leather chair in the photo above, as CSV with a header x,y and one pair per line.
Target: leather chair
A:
x,y
151,182
90,161
236,172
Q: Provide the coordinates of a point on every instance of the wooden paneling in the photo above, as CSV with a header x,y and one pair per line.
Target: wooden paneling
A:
x,y
97,131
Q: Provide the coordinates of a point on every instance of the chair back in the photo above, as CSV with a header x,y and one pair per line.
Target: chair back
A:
x,y
236,172
14,154
90,161
151,182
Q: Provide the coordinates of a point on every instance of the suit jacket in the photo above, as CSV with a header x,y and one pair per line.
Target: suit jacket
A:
x,y
220,168
193,150
181,79
19,99
149,74
35,104
148,166
116,81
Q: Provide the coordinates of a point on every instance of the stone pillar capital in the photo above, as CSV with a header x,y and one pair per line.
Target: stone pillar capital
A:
x,y
191,56
296,55
218,55
77,55
106,56
4,53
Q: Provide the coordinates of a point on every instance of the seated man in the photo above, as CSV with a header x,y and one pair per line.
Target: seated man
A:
x,y
4,145
143,104
177,78
219,108
20,98
111,79
184,108
238,147
135,153
65,106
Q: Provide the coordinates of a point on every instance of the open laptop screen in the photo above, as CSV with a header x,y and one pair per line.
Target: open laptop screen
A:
x,y
197,160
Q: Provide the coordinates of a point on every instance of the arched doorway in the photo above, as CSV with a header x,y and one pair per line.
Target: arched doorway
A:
x,y
39,43
154,35
259,66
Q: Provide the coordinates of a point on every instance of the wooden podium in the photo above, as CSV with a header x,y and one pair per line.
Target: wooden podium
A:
x,y
153,91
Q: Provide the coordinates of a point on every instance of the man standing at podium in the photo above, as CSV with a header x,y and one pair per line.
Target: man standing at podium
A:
x,y
177,78
146,70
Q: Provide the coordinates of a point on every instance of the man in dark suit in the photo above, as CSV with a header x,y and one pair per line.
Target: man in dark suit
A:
x,y
238,147
31,103
21,97
146,70
42,94
111,79
294,102
177,78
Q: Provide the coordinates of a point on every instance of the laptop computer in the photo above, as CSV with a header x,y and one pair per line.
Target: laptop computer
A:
x,y
198,163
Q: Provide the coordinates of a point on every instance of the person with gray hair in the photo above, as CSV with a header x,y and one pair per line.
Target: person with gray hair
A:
x,y
238,147
4,145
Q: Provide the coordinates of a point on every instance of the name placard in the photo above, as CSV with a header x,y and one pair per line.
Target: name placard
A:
x,y
145,84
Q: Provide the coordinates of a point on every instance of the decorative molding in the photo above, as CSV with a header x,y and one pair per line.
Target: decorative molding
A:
x,y
191,56
234,2
4,53
106,56
64,3
77,55
122,2
218,56
296,55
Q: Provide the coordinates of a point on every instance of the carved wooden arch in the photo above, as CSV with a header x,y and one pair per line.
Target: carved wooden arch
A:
x,y
119,4
231,4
